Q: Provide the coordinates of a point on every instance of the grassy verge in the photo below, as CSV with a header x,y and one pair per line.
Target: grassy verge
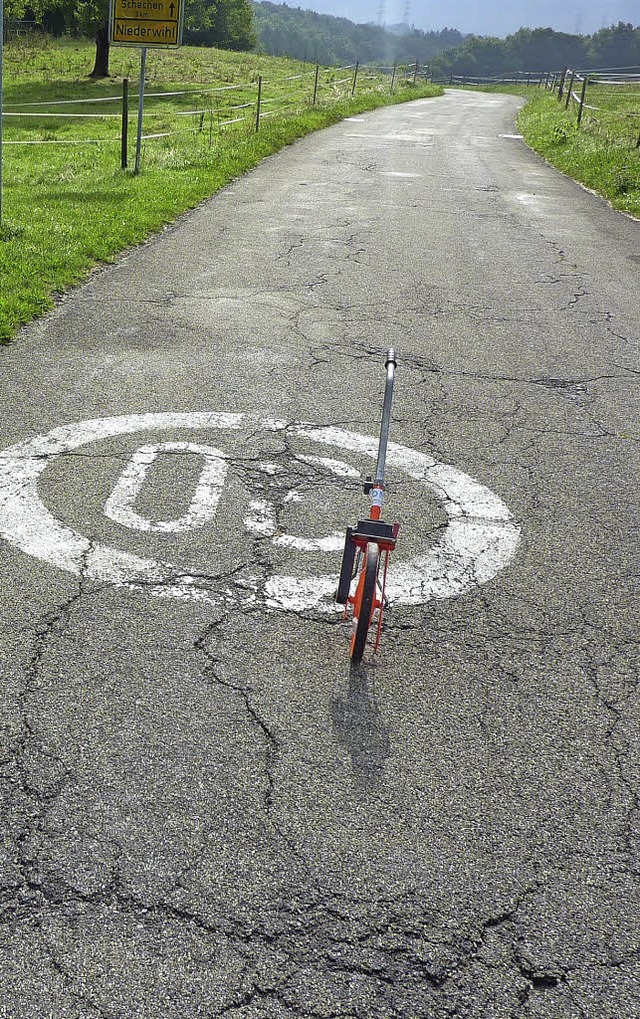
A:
x,y
67,204
602,153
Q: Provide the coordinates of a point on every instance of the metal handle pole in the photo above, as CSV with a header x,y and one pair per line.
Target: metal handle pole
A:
x,y
390,365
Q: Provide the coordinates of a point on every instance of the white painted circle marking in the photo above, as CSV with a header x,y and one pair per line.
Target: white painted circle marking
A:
x,y
479,540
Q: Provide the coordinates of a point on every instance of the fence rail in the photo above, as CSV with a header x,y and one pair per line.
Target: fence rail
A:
x,y
513,78
211,108
606,101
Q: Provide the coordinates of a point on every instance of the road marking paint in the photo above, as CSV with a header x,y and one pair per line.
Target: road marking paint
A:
x,y
119,505
332,543
480,538
261,519
339,467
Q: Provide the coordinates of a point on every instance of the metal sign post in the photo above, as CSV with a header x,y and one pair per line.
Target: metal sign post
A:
x,y
143,24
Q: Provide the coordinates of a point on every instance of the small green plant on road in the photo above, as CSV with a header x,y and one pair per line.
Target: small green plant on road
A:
x,y
67,205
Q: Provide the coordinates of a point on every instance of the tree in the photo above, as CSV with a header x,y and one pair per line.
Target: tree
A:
x,y
616,46
92,18
224,23
17,8
89,17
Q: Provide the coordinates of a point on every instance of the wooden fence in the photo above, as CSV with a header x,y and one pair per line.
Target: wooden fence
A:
x,y
606,100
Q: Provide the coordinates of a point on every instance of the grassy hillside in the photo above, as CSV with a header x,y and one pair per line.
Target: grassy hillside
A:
x,y
68,205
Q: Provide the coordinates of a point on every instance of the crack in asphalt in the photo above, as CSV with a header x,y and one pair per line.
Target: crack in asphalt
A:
x,y
331,945
53,623
270,741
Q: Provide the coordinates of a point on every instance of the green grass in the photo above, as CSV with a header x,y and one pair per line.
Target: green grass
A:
x,y
68,207
602,153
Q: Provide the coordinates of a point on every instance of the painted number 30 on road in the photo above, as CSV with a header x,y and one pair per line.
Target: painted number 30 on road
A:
x,y
479,540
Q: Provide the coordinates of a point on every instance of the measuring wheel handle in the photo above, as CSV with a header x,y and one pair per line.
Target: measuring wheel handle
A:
x,y
367,545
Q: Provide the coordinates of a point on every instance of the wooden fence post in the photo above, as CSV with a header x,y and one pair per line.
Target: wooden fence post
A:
x,y
125,123
582,95
393,76
415,73
566,105
258,103
355,78
315,85
561,88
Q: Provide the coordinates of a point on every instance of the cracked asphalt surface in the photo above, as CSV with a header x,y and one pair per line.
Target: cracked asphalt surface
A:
x,y
204,812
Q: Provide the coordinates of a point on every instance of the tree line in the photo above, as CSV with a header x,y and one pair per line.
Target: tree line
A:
x,y
324,39
280,30
541,49
227,24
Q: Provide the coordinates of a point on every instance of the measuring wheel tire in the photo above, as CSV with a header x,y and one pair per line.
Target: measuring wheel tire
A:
x,y
365,602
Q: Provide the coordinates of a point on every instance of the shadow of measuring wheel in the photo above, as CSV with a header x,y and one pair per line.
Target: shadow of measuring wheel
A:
x,y
358,726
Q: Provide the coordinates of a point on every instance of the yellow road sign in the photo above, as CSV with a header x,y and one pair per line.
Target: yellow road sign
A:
x,y
156,23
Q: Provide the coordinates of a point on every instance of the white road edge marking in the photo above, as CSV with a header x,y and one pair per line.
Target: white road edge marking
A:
x,y
479,541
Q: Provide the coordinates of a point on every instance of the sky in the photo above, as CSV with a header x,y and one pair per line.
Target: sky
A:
x,y
488,18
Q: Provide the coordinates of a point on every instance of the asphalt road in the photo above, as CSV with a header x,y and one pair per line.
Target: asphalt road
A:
x,y
205,813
